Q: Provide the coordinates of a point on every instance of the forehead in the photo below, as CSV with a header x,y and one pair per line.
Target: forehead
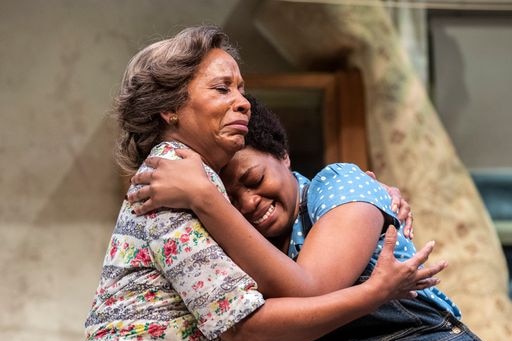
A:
x,y
218,63
243,160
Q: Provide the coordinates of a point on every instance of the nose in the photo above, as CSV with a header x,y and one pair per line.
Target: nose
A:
x,y
241,104
248,202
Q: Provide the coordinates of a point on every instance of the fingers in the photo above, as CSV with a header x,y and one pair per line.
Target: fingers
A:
x,y
427,283
186,153
389,242
431,271
153,162
141,194
145,207
142,178
422,255
403,207
396,202
371,174
408,228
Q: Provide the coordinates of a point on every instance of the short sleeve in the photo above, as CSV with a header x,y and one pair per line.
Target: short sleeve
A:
x,y
215,290
342,183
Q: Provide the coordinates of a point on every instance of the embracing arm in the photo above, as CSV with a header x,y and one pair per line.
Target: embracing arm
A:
x,y
346,240
297,319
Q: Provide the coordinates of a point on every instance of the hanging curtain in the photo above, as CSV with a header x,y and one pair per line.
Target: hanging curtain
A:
x,y
408,145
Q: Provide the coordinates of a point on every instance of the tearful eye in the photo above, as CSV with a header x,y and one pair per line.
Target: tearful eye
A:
x,y
222,90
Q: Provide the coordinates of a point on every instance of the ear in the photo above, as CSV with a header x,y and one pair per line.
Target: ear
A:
x,y
286,160
166,116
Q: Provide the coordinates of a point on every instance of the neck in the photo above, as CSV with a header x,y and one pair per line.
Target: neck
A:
x,y
282,242
215,160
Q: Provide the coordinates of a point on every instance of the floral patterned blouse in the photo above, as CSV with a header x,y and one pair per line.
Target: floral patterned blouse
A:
x,y
165,278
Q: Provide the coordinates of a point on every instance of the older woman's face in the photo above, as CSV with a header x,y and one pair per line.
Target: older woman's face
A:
x,y
214,120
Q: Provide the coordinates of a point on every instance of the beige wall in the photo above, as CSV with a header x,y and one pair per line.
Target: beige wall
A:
x,y
60,63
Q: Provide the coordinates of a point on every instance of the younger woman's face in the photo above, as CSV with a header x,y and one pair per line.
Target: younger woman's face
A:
x,y
264,190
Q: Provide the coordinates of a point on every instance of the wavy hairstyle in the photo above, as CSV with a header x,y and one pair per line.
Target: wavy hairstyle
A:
x,y
156,81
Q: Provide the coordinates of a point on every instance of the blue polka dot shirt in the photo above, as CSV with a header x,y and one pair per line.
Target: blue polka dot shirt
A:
x,y
342,183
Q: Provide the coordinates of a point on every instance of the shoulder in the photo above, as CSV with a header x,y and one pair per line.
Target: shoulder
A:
x,y
167,149
341,183
337,173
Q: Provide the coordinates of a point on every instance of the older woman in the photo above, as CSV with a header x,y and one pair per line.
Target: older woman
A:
x,y
163,276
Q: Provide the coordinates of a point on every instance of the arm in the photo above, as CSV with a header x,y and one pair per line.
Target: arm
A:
x,y
297,319
281,276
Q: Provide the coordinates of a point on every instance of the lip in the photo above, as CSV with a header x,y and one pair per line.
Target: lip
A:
x,y
261,213
240,125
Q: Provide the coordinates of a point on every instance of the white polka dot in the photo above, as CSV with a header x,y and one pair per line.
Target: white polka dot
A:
x,y
343,197
352,190
299,233
331,196
323,178
323,206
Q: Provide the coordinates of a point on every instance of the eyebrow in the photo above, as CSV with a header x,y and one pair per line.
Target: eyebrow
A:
x,y
244,176
227,79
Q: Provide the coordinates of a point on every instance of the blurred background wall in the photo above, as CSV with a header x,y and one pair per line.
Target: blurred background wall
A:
x,y
60,64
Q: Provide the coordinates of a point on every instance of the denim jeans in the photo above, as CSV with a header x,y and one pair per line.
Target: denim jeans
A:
x,y
406,320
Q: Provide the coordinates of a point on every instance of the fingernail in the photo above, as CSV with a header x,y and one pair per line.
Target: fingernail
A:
x,y
395,208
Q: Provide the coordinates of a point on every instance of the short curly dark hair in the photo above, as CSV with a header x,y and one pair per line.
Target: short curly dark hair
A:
x,y
266,132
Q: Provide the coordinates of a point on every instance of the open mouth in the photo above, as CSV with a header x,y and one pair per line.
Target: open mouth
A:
x,y
265,216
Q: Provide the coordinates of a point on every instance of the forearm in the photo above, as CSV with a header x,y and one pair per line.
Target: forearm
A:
x,y
276,274
297,319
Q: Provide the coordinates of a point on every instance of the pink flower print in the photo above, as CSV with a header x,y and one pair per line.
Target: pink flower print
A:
x,y
166,149
144,257
126,330
198,285
110,301
149,296
113,251
170,248
184,238
113,248
224,305
188,249
156,330
151,215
